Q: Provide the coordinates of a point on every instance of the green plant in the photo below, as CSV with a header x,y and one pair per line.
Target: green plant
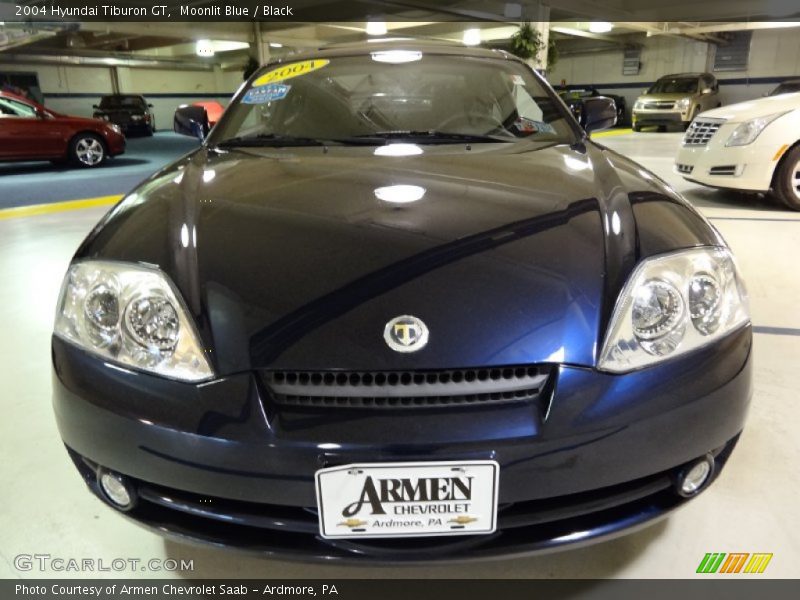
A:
x,y
526,42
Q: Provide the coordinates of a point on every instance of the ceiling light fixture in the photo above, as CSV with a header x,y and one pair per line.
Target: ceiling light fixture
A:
x,y
204,48
600,26
472,37
376,28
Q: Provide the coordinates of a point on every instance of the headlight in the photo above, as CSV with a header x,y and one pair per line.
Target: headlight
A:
x,y
638,105
116,128
683,104
131,315
747,132
137,117
671,305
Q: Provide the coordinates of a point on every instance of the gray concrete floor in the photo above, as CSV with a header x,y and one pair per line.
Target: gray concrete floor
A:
x,y
752,508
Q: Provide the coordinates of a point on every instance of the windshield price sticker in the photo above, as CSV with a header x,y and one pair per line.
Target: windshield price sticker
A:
x,y
408,499
291,70
266,93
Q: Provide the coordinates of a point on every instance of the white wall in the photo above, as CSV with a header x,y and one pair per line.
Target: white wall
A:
x,y
773,53
74,89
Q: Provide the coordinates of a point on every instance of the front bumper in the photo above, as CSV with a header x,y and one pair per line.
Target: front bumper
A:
x,y
647,118
746,168
221,463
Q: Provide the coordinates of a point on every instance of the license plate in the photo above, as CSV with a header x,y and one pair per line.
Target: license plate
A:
x,y
408,499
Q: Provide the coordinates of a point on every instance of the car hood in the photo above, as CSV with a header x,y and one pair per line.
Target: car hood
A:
x,y
761,107
120,111
652,97
298,258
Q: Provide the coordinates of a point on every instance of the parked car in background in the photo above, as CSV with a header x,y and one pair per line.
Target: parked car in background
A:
x,y
790,86
457,324
752,146
676,100
29,131
574,99
130,111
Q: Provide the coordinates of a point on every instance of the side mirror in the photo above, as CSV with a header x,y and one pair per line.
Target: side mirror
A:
x,y
706,91
191,121
599,113
149,105
95,106
41,114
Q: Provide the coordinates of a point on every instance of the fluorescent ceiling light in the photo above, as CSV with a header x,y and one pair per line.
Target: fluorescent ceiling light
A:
x,y
376,28
396,57
600,26
472,37
204,48
400,194
398,150
275,45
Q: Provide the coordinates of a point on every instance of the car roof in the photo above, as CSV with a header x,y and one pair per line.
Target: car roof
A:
x,y
684,75
383,44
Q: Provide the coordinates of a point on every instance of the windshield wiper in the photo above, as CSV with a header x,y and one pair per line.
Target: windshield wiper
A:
x,y
429,136
269,139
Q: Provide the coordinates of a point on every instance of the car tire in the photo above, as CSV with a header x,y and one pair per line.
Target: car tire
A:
x,y
87,150
149,131
786,181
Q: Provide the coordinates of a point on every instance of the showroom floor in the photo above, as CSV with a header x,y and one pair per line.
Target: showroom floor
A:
x,y
752,508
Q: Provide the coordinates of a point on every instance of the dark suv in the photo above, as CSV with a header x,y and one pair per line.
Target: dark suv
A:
x,y
130,111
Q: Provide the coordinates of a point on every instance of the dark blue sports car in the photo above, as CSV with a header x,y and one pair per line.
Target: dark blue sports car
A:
x,y
399,307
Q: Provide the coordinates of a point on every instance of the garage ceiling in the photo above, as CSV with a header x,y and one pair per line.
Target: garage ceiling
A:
x,y
171,42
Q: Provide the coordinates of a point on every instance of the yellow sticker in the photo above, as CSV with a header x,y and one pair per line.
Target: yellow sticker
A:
x,y
291,70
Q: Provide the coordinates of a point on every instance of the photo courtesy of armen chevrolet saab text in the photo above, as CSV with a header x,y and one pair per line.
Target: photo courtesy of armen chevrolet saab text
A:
x,y
398,306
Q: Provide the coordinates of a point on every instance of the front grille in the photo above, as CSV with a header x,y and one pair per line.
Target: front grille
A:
x,y
723,170
406,389
659,105
685,169
700,132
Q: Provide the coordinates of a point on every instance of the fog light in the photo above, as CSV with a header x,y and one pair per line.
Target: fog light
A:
x,y
116,489
694,477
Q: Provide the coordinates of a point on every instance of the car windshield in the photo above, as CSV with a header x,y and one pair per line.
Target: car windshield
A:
x,y
122,102
393,95
788,87
676,85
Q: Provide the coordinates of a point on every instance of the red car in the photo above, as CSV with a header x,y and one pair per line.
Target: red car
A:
x,y
29,131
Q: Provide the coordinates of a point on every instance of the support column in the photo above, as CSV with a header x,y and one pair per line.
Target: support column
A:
x,y
541,23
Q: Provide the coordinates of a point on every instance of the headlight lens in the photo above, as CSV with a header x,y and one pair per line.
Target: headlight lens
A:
x,y
131,315
116,128
638,105
683,104
673,304
747,132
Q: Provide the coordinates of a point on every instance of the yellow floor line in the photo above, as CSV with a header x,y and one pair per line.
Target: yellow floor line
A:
x,y
611,133
56,207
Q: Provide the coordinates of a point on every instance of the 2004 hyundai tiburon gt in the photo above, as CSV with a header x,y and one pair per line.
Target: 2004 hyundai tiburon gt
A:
x,y
398,306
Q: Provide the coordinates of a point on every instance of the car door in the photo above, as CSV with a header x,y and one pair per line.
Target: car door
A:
x,y
24,133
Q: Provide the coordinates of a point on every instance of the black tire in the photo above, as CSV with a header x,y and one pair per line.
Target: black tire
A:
x,y
149,131
87,150
786,181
